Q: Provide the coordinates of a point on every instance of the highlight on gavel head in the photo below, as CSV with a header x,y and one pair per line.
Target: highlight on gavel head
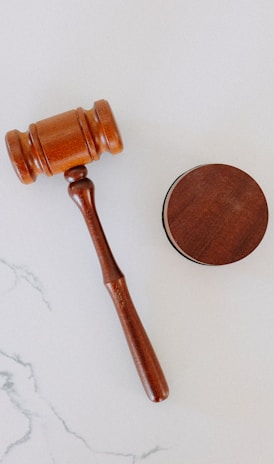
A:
x,y
215,214
58,143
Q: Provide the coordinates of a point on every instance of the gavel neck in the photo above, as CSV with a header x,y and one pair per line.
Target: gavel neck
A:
x,y
81,190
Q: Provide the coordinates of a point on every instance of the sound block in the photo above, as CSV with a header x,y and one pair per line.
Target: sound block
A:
x,y
215,214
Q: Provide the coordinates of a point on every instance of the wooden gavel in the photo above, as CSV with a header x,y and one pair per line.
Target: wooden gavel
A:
x,y
65,143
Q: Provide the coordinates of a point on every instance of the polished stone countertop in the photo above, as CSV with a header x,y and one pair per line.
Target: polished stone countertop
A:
x,y
190,83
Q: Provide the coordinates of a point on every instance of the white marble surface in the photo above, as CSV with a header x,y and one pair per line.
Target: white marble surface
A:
x,y
190,82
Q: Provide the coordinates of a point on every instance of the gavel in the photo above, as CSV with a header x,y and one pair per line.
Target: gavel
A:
x,y
65,143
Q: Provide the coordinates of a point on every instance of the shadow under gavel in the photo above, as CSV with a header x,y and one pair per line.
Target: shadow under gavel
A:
x,y
65,143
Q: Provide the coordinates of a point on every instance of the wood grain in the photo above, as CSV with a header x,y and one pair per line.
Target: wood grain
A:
x,y
81,190
56,144
215,214
64,143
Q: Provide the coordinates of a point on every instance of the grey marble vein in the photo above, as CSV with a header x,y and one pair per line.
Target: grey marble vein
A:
x,y
21,387
10,387
138,458
154,450
25,438
68,430
22,272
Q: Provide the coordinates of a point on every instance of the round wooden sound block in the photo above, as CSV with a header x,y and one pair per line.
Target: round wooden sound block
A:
x,y
215,214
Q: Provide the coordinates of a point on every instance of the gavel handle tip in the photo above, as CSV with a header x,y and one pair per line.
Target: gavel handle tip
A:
x,y
145,359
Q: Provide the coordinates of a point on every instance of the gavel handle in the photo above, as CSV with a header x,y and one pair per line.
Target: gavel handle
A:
x,y
146,362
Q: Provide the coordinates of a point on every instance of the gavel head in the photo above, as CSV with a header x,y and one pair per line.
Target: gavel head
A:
x,y
58,143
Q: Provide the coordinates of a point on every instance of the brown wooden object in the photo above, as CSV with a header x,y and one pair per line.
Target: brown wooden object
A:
x,y
81,190
62,144
215,214
55,144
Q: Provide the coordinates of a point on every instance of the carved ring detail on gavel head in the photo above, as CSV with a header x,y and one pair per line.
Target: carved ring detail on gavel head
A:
x,y
58,143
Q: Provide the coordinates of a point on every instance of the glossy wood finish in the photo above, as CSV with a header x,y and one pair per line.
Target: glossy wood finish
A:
x,y
81,190
63,143
215,214
55,144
